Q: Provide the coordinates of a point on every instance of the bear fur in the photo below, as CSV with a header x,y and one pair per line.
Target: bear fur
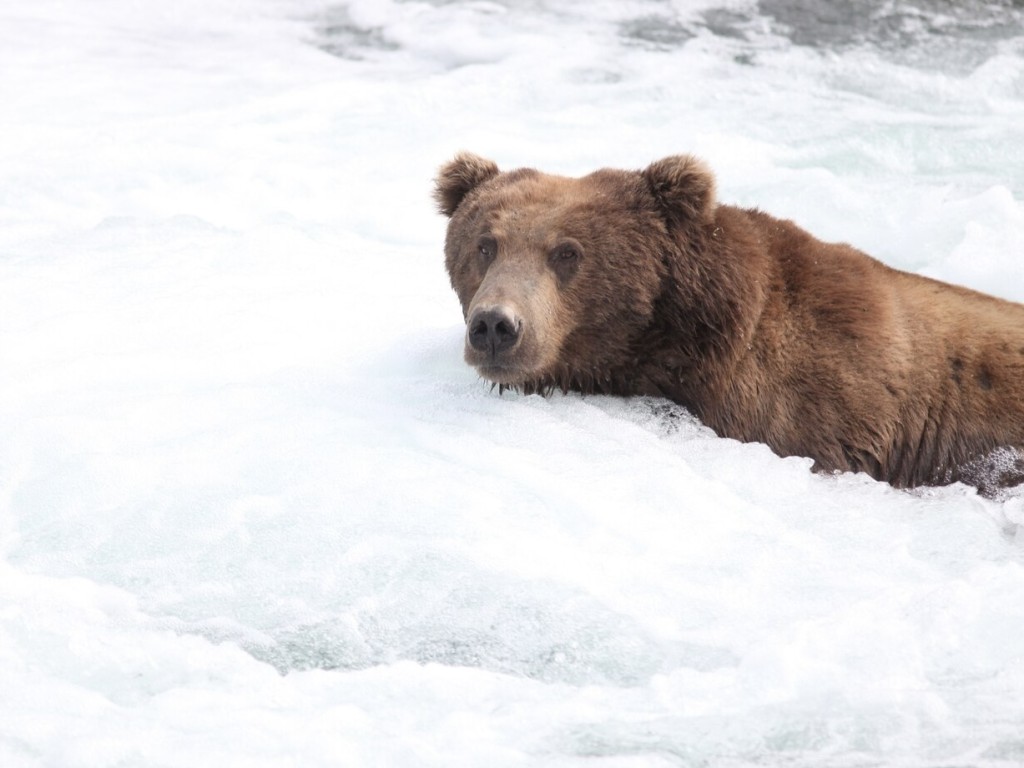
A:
x,y
641,283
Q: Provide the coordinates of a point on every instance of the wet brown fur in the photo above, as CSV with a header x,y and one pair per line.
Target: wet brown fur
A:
x,y
766,333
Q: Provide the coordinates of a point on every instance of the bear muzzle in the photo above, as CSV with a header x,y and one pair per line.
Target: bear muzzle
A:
x,y
514,322
499,346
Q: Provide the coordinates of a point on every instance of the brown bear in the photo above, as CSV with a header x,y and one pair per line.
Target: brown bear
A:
x,y
641,283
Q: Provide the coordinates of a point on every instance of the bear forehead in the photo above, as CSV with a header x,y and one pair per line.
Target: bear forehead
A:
x,y
536,203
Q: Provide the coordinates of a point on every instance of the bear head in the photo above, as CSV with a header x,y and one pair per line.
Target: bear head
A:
x,y
560,278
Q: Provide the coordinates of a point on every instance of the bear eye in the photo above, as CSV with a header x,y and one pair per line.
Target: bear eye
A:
x,y
487,248
564,258
565,253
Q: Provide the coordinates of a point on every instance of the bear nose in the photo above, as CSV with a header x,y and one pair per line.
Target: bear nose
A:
x,y
493,331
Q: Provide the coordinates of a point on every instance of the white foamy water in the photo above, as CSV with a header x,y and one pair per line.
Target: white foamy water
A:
x,y
255,510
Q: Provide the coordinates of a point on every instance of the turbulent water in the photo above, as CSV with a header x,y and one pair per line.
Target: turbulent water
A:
x,y
256,511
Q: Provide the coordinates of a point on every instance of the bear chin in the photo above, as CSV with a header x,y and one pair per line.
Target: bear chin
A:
x,y
509,376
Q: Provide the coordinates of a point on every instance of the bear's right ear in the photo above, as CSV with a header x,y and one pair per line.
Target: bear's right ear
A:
x,y
459,177
684,188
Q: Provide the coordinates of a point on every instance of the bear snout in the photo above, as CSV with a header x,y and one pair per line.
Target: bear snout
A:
x,y
493,331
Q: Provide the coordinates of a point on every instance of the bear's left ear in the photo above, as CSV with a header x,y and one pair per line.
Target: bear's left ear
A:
x,y
684,188
459,177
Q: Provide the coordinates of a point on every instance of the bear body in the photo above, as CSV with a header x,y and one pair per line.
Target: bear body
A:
x,y
640,283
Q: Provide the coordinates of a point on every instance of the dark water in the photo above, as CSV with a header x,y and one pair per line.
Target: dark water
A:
x,y
889,24
340,35
949,35
916,32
